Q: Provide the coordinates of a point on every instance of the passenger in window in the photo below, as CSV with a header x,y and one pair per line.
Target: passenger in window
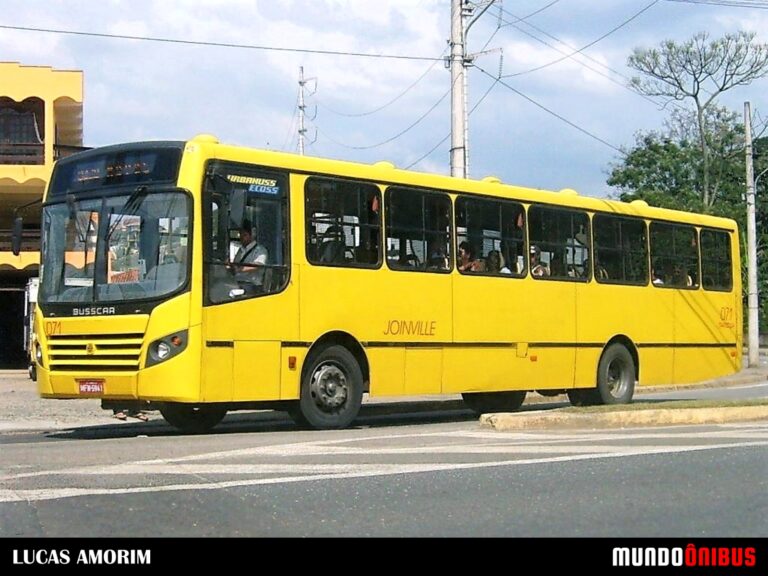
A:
x,y
467,262
656,277
600,272
438,259
250,259
495,263
333,247
557,266
681,277
538,268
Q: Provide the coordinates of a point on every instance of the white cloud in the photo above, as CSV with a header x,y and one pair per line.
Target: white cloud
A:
x,y
138,90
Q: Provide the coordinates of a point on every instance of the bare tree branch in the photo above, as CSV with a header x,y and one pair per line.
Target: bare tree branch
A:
x,y
700,69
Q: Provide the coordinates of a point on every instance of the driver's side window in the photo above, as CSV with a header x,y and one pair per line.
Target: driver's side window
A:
x,y
246,252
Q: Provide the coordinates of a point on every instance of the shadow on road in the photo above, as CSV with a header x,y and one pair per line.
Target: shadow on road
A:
x,y
371,416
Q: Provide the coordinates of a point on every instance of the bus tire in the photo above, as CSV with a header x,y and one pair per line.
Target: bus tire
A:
x,y
482,402
331,390
583,397
616,375
192,418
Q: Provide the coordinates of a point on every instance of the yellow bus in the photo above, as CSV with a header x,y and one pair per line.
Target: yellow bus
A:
x,y
198,278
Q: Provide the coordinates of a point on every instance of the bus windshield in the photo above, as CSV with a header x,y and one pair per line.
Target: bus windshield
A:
x,y
117,248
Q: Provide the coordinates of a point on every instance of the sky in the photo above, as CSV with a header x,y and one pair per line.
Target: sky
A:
x,y
559,126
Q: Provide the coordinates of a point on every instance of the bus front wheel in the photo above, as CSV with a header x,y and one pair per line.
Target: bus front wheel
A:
x,y
331,390
192,418
482,402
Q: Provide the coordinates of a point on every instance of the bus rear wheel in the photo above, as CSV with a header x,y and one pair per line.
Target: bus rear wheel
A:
x,y
616,375
482,402
331,390
192,418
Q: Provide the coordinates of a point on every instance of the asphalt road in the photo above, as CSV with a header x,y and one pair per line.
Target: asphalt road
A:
x,y
390,479
423,472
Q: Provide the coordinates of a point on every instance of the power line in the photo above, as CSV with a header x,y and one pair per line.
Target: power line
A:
x,y
436,146
396,136
595,41
579,62
521,19
217,44
392,101
553,113
756,4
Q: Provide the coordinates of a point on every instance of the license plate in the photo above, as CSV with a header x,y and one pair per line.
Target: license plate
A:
x,y
91,386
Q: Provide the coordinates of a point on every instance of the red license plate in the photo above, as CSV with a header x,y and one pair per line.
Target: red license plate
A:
x,y
91,386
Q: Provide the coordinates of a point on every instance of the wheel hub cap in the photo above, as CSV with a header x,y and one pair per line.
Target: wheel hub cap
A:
x,y
328,387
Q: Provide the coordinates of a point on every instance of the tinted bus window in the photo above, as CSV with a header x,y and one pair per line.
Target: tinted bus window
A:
x,y
621,250
559,243
494,233
418,230
674,255
716,266
343,223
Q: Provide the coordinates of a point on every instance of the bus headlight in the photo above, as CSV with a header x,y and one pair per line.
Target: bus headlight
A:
x,y
38,354
164,348
162,351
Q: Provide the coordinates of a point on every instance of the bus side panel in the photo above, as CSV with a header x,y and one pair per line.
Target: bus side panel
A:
x,y
705,317
217,373
382,309
644,314
528,330
423,370
256,370
290,378
388,365
242,345
483,369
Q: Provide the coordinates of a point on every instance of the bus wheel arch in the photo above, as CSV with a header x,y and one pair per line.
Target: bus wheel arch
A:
x,y
333,379
601,393
617,371
347,341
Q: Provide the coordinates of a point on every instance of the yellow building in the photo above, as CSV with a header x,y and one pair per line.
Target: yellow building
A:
x,y
41,119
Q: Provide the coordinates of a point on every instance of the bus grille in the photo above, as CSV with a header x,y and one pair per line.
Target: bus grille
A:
x,y
95,352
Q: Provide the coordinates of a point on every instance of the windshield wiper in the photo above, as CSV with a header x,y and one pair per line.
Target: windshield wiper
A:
x,y
131,206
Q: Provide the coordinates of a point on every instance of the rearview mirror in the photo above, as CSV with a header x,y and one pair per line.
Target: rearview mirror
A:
x,y
18,225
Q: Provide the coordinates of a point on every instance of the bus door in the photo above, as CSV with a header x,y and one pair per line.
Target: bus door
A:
x,y
250,304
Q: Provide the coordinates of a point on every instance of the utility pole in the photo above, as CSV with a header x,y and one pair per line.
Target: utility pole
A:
x,y
302,107
459,62
754,337
458,91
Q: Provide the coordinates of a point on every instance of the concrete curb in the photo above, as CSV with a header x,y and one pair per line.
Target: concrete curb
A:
x,y
623,418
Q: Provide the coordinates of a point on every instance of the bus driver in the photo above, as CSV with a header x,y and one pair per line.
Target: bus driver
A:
x,y
250,259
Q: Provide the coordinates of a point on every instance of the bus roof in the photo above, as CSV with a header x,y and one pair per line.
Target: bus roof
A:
x,y
387,173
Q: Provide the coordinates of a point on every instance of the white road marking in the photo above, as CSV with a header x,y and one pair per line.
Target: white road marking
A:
x,y
367,471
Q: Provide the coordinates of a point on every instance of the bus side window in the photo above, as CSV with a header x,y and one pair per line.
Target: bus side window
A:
x,y
343,224
492,234
418,230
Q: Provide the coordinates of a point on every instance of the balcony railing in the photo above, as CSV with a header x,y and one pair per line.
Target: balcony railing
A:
x,y
34,154
27,154
30,240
